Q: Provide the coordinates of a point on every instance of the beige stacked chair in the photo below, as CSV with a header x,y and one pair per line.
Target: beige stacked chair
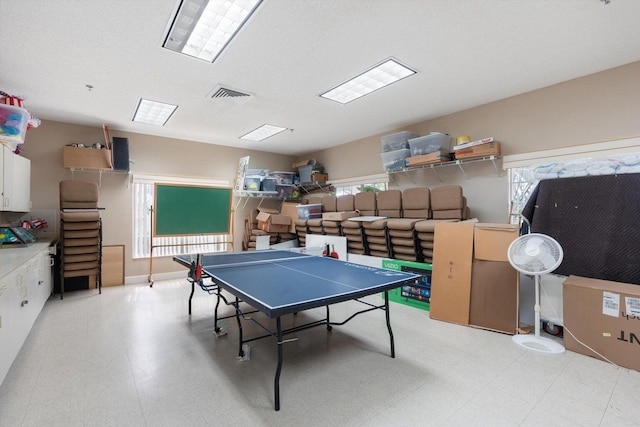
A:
x,y
424,233
447,202
301,224
344,203
416,207
389,204
80,232
329,203
365,203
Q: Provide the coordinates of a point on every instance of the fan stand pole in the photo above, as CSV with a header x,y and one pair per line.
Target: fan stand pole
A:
x,y
536,342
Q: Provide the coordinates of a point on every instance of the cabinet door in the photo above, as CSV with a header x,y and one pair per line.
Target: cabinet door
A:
x,y
43,280
16,182
10,335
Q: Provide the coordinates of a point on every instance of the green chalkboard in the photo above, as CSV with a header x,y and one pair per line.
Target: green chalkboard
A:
x,y
183,210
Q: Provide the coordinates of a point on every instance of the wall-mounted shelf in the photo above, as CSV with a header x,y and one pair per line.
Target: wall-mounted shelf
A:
x,y
246,195
310,187
460,163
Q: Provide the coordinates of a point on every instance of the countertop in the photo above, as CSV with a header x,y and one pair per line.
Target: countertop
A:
x,y
11,259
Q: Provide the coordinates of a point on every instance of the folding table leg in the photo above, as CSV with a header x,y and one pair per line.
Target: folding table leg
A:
x,y
386,312
276,382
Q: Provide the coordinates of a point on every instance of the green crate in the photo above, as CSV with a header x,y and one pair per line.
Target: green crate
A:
x,y
395,295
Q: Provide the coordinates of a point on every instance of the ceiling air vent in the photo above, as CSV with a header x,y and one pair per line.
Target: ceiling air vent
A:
x,y
223,92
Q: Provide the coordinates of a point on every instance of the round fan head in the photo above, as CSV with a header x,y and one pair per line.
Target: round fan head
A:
x,y
535,254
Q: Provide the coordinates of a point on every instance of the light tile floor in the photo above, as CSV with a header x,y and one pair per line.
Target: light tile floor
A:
x,y
134,357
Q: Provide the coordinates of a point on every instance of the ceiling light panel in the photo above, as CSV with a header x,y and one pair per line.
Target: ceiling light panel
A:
x,y
203,28
263,132
155,113
369,81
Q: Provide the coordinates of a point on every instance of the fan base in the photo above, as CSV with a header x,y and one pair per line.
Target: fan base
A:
x,y
541,344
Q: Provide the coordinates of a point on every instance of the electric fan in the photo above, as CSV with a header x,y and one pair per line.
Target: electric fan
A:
x,y
536,254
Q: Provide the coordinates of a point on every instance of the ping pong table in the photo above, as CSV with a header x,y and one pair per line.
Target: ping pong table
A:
x,y
277,283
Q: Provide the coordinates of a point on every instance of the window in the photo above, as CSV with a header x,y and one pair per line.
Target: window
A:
x,y
375,183
521,184
167,246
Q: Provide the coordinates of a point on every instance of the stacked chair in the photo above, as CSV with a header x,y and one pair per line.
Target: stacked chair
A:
x,y
329,203
301,224
416,207
365,203
344,203
447,204
389,204
80,232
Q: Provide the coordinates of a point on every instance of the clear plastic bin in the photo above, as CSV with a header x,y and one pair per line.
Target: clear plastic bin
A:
x,y
13,124
310,211
252,182
394,160
435,141
396,141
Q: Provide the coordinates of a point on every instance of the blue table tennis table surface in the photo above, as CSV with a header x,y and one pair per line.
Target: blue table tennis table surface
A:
x,y
281,282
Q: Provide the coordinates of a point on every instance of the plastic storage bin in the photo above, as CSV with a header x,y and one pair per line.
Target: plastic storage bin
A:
x,y
287,191
13,124
268,184
396,141
435,141
310,211
283,178
252,182
305,173
394,160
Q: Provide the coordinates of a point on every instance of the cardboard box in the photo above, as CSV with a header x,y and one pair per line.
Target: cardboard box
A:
x,y
86,158
417,295
290,210
482,150
425,159
604,316
491,241
451,279
271,220
338,216
494,296
319,177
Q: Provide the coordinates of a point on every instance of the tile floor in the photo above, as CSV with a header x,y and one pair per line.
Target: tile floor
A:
x,y
133,357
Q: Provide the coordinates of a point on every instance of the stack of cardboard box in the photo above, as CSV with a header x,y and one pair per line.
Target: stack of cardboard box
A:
x,y
473,282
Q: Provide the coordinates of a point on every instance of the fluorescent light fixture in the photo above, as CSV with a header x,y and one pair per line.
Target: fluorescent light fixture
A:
x,y
390,71
263,132
203,28
155,113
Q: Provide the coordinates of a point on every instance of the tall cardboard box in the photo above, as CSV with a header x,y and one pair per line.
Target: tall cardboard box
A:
x,y
494,282
451,277
605,317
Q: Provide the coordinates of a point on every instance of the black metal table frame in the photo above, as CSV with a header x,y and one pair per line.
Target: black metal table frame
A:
x,y
279,333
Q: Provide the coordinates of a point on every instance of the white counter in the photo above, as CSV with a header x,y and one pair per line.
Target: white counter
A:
x,y
11,259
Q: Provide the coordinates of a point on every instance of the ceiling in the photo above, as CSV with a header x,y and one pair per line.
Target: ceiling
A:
x,y
467,53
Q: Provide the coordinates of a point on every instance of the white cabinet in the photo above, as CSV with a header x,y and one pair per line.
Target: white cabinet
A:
x,y
15,181
23,293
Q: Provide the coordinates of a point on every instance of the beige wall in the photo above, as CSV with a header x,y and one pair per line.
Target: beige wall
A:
x,y
595,108
152,156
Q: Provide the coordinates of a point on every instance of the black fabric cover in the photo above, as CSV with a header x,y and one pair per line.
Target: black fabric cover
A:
x,y
596,220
